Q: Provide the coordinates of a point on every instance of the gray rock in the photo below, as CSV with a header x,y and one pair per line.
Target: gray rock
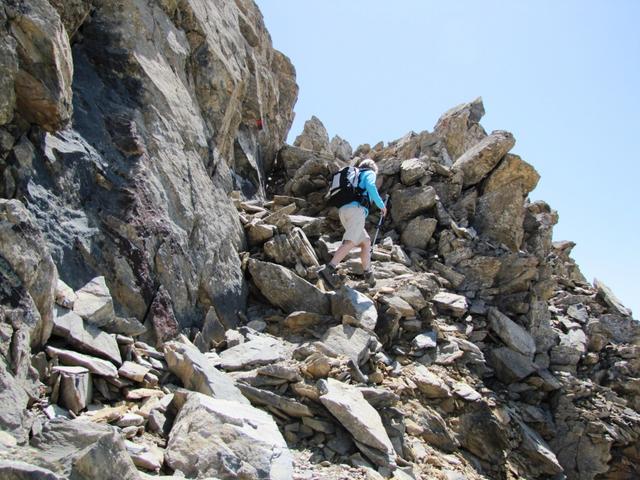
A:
x,y
286,405
425,340
610,299
80,449
286,290
418,232
219,438
27,264
8,71
483,434
133,371
348,301
429,383
512,334
17,470
253,353
452,303
359,418
511,366
148,457
431,427
410,202
75,387
292,248
538,451
92,364
212,333
85,336
349,341
258,233
480,159
197,373
94,303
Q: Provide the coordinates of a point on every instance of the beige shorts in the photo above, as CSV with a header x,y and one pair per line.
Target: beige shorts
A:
x,y
352,219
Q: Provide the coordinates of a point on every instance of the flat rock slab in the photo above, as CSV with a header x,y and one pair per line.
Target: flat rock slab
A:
x,y
93,364
221,438
198,373
133,371
358,417
349,341
284,289
85,336
254,353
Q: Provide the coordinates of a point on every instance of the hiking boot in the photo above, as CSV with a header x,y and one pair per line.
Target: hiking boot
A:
x,y
328,273
369,278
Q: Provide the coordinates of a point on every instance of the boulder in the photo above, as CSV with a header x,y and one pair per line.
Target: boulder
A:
x,y
460,127
94,304
511,366
418,232
198,373
512,334
610,299
358,417
85,336
286,290
212,333
352,342
452,303
80,449
348,301
75,387
412,170
410,202
480,159
429,383
25,263
17,470
429,424
226,439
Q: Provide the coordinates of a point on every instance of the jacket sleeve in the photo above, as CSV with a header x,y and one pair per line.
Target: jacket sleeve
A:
x,y
372,190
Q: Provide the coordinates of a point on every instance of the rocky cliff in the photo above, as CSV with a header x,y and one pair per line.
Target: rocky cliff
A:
x,y
160,307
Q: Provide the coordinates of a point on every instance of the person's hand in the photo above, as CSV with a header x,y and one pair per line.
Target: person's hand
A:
x,y
384,211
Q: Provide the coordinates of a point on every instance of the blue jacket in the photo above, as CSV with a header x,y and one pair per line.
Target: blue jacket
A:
x,y
367,181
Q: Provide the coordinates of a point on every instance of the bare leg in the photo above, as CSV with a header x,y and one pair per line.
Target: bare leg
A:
x,y
342,252
365,254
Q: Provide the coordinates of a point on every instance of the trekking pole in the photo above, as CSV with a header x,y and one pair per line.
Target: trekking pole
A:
x,y
375,237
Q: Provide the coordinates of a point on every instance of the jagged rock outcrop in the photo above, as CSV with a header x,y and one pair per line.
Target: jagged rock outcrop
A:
x,y
154,281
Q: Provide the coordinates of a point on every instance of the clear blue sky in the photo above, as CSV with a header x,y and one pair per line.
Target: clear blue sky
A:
x,y
562,76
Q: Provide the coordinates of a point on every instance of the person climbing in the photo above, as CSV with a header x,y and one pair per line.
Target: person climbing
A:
x,y
352,217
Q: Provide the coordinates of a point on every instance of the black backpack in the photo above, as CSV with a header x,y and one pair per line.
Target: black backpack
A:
x,y
344,188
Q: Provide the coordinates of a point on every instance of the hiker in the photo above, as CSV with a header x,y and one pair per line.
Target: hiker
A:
x,y
352,217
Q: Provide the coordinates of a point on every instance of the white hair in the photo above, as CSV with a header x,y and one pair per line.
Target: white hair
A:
x,y
368,163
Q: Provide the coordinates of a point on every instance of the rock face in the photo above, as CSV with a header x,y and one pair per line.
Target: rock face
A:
x,y
138,188
159,276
